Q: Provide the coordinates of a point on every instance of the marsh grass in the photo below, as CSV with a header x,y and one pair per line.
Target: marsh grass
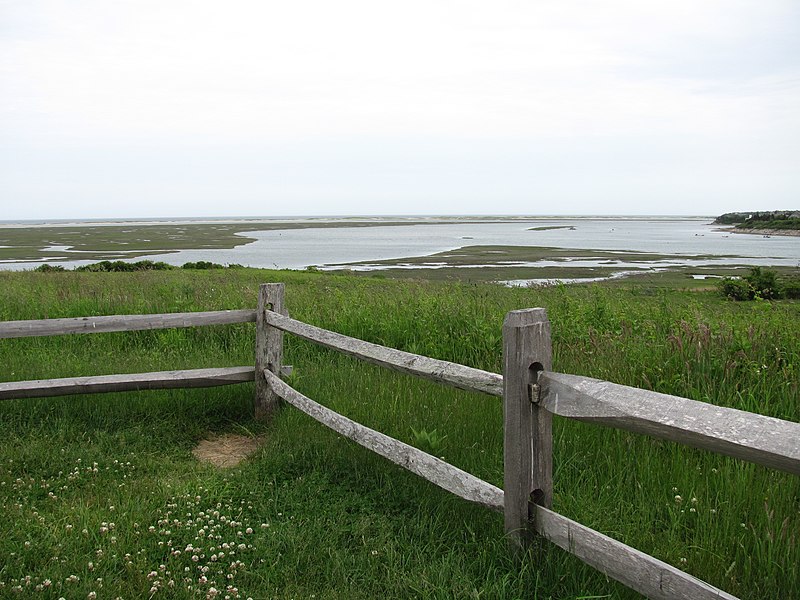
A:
x,y
330,520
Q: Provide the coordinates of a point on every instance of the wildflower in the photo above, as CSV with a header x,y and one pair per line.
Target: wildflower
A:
x,y
678,499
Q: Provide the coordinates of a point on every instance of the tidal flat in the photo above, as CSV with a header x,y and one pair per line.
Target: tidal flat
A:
x,y
117,242
513,250
540,264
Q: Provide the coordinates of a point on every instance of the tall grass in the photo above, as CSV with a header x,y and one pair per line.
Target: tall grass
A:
x,y
340,522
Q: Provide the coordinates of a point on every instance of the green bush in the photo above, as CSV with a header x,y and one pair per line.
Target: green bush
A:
x,y
736,289
759,283
49,269
764,283
791,288
202,265
119,266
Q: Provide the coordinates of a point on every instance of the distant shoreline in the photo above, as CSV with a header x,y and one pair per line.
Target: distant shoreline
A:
x,y
763,232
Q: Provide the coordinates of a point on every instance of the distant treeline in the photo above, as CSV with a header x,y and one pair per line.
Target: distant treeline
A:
x,y
119,266
770,219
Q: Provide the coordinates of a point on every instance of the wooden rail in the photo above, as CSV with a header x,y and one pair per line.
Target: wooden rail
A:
x,y
441,371
435,470
639,571
107,324
194,378
763,440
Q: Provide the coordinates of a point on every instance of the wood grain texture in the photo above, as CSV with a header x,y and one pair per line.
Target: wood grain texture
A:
x,y
637,570
269,347
193,378
441,371
763,440
527,429
107,324
438,472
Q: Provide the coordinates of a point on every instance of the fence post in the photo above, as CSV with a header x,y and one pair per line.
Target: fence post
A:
x,y
528,437
269,348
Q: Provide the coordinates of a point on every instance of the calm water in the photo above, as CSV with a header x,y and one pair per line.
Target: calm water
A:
x,y
293,249
682,237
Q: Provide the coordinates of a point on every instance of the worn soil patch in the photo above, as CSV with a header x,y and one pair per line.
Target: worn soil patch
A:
x,y
227,450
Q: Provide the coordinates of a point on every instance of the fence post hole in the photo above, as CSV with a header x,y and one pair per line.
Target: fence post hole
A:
x,y
269,348
528,438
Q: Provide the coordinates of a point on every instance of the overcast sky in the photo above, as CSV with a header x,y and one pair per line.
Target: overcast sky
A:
x,y
140,108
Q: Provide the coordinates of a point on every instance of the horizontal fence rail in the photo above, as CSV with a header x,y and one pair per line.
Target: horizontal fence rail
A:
x,y
755,438
161,380
441,371
111,323
438,472
637,570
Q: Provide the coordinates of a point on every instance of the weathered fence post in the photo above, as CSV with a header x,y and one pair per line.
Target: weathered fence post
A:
x,y
269,348
528,438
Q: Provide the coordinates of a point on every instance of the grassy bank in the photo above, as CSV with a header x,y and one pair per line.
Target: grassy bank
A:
x,y
102,494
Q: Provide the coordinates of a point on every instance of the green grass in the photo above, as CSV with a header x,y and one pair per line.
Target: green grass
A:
x,y
321,517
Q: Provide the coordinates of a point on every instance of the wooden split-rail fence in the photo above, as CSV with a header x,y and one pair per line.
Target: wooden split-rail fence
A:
x,y
532,393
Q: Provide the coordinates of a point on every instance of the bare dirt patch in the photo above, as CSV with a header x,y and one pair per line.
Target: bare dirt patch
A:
x,y
227,450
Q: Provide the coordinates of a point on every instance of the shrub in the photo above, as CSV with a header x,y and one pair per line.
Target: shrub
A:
x,y
791,288
118,266
764,283
49,269
736,289
759,283
202,265
106,266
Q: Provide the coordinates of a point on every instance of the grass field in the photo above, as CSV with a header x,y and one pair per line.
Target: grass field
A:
x,y
101,495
